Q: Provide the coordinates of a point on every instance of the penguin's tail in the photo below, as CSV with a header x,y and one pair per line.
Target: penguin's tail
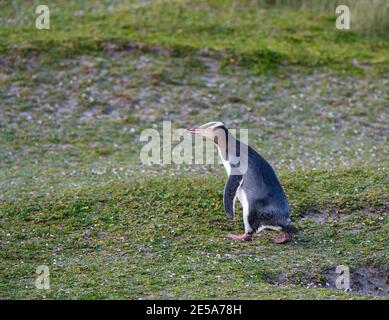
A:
x,y
290,228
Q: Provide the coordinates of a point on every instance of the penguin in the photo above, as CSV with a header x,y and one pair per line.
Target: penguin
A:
x,y
254,184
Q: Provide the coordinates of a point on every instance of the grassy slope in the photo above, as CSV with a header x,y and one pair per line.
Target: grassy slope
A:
x,y
162,238
257,38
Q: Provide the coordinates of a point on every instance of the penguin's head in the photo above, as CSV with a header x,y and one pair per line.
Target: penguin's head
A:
x,y
210,130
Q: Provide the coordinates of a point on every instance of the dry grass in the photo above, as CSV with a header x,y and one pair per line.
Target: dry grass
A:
x,y
369,17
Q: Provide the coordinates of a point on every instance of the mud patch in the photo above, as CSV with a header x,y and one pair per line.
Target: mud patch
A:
x,y
367,280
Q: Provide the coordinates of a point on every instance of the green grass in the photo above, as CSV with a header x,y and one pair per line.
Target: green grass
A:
x,y
165,239
260,38
74,195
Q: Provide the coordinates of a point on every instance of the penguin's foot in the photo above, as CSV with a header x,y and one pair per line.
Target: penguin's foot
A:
x,y
285,238
241,237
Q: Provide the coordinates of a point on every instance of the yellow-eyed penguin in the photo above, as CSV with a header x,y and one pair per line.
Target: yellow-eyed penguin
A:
x,y
253,181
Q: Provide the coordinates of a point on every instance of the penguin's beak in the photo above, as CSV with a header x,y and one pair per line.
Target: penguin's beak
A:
x,y
206,130
199,131
193,130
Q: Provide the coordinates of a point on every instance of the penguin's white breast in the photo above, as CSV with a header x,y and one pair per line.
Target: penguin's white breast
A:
x,y
227,166
226,163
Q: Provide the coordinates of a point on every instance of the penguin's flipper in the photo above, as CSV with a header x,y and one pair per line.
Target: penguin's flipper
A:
x,y
230,189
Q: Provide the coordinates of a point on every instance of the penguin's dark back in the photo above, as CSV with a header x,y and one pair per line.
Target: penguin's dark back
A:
x,y
261,177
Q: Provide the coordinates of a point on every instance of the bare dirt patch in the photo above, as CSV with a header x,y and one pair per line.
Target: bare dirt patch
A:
x,y
367,280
